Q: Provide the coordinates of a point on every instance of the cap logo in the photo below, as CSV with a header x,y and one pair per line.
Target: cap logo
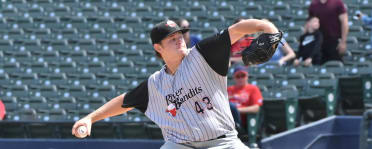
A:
x,y
171,24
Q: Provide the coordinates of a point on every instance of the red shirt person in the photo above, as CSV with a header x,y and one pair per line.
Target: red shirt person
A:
x,y
246,97
2,110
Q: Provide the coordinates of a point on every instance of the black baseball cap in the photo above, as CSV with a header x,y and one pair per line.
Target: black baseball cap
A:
x,y
164,29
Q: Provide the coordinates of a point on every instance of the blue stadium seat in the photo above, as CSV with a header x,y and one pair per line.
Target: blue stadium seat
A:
x,y
53,78
81,79
48,91
67,103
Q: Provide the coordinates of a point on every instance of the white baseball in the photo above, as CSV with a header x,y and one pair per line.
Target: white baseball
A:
x,y
82,131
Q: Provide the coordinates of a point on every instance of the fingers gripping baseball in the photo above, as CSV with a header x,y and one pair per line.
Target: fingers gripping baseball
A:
x,y
262,48
82,128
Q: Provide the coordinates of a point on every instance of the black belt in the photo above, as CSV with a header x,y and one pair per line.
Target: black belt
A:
x,y
220,137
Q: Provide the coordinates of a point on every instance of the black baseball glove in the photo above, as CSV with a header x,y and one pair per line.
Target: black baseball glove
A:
x,y
261,49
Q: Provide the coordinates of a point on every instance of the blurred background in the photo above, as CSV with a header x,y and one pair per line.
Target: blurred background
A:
x,y
61,59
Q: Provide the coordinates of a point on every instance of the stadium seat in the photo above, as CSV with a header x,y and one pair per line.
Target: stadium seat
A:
x,y
65,130
34,34
58,45
297,79
324,80
154,131
12,130
92,102
68,103
271,67
104,23
94,34
83,44
14,90
111,44
23,79
65,33
35,67
107,91
10,103
76,56
38,103
80,79
6,45
42,130
104,56
34,12
53,78
133,131
3,25
60,67
266,79
329,84
122,67
113,11
9,12
48,91
279,110
48,22
26,44
91,67
75,115
110,79
21,22
312,105
359,69
4,78
45,56
13,34
59,11
351,95
19,56
104,130
335,67
25,115
88,12
304,70
72,91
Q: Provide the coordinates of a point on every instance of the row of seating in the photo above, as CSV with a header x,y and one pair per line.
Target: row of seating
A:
x,y
71,112
102,130
286,108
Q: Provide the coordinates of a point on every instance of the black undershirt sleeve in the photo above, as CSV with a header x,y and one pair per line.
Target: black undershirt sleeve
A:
x,y
137,98
216,51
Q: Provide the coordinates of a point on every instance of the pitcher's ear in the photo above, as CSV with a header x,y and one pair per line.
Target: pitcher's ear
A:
x,y
158,47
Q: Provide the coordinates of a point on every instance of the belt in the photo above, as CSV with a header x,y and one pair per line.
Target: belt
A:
x,y
220,137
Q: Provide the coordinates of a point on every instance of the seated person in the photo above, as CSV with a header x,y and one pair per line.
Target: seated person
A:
x,y
244,98
367,20
283,53
309,52
190,40
239,46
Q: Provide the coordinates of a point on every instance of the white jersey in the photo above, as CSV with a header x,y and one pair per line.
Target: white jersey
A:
x,y
200,97
192,105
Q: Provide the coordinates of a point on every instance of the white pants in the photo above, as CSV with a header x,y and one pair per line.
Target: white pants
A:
x,y
230,142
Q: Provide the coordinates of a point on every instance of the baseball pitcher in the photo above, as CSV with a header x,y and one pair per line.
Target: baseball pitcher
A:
x,y
188,97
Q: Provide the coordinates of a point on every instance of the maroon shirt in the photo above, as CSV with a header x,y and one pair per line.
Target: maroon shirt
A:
x,y
328,14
